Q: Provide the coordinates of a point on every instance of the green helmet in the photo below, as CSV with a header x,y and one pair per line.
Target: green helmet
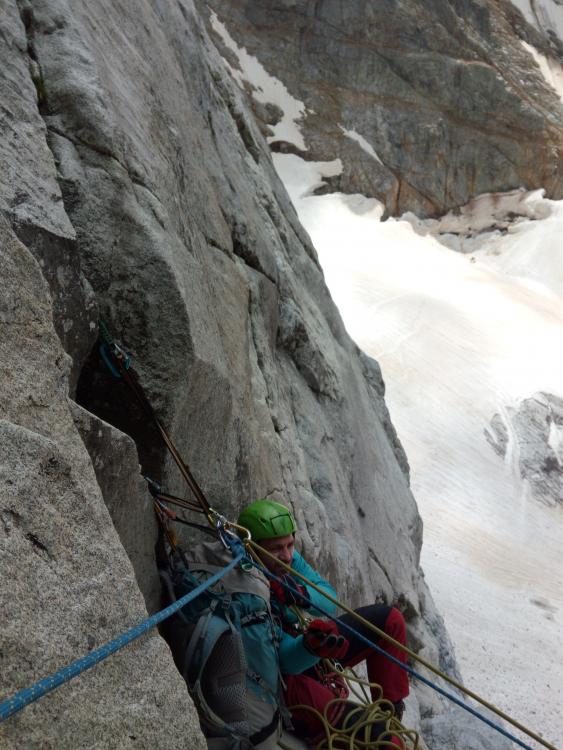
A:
x,y
266,519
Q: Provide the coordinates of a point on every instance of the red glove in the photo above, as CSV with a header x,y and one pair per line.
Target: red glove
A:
x,y
323,639
296,594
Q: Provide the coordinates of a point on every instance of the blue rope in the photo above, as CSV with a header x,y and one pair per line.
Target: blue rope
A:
x,y
408,669
26,696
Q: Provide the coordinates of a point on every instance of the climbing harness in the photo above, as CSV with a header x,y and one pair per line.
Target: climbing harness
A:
x,y
376,717
351,714
380,633
22,698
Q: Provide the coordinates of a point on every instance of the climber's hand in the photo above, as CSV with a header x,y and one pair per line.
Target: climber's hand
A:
x,y
323,639
287,591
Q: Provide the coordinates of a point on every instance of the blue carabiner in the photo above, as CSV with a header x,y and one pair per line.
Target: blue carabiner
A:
x,y
105,355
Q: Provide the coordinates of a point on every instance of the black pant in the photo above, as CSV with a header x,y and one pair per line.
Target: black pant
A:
x,y
377,614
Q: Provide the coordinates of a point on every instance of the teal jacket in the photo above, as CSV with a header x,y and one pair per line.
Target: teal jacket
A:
x,y
294,657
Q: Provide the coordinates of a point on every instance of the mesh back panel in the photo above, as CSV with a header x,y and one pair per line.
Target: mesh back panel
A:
x,y
224,683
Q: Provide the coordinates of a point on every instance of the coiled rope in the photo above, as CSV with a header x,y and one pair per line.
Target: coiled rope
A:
x,y
22,698
415,657
361,724
373,714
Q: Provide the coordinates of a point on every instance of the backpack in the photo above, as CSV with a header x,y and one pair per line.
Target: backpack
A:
x,y
225,645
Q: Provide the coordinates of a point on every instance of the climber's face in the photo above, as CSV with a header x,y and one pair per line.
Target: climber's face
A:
x,y
281,547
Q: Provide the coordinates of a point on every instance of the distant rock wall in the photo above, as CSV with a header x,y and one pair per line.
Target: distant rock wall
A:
x,y
444,93
141,189
532,437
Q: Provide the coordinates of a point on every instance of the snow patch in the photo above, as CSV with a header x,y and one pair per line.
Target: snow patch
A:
x,y
544,15
551,69
525,8
367,147
265,89
555,440
302,178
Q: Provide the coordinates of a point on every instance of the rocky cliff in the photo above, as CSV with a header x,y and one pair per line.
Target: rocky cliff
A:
x,y
427,103
531,437
136,186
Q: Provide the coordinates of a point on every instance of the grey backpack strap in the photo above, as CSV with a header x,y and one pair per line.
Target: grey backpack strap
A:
x,y
201,644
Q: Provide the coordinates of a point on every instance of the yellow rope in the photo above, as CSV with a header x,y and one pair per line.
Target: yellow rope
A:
x,y
368,713
491,707
358,721
353,678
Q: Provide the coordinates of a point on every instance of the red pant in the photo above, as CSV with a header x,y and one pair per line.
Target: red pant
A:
x,y
305,689
393,680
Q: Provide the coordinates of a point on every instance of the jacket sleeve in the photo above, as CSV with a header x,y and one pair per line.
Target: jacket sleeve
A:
x,y
317,599
294,657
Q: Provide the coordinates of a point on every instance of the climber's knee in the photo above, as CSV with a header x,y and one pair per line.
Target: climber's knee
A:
x,y
395,625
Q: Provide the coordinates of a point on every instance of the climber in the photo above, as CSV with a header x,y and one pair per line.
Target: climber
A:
x,y
272,527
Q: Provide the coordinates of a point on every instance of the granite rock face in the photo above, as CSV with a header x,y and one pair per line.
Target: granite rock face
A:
x,y
427,103
198,263
147,195
67,584
533,435
116,465
30,194
457,730
547,17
